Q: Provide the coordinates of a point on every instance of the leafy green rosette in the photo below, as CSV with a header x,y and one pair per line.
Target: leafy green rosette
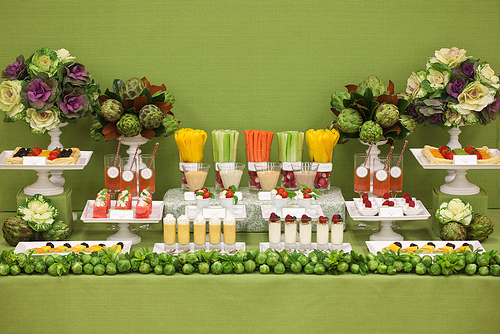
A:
x,y
455,210
39,212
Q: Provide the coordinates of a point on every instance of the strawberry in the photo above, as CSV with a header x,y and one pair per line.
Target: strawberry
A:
x,y
280,190
307,190
386,196
289,219
274,217
206,195
51,157
322,220
478,155
444,149
386,202
284,194
365,195
307,195
411,204
368,204
335,218
391,203
469,149
304,218
408,199
229,194
405,195
37,150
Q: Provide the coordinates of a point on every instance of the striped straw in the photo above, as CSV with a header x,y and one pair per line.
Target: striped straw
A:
x,y
368,154
402,151
154,152
388,157
117,151
135,155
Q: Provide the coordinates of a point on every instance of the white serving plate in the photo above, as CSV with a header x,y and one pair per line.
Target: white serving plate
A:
x,y
346,247
356,215
155,217
377,246
239,211
161,248
23,247
314,211
417,152
80,164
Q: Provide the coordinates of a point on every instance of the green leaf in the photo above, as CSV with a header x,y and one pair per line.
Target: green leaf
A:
x,y
402,105
117,84
147,93
425,84
113,95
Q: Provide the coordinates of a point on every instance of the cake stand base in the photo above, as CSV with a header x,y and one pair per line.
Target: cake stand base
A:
x,y
386,233
124,234
43,186
460,185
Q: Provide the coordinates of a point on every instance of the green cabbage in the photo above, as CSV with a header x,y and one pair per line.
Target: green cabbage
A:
x,y
455,210
38,212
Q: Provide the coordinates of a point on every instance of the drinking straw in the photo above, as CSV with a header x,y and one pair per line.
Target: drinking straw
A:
x,y
154,152
117,151
135,154
368,154
402,151
388,156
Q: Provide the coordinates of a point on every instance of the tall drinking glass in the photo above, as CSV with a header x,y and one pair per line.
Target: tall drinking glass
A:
x,y
147,173
381,181
112,173
361,174
128,175
396,175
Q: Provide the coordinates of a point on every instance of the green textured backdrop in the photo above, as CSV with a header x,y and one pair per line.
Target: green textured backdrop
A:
x,y
269,65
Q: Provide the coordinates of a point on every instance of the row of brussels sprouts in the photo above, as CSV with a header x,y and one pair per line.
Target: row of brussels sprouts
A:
x,y
317,262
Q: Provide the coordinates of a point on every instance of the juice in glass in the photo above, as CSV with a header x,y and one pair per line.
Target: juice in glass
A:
x,y
361,174
214,232
147,173
183,232
381,183
229,232
396,175
128,175
199,232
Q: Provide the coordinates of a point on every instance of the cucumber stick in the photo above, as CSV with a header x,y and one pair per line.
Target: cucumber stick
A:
x,y
290,145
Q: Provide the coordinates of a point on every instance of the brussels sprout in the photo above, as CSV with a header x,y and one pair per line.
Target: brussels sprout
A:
x,y
215,257
250,266
227,268
77,268
21,259
239,268
145,268
313,257
15,270
382,268
252,254
407,267
416,259
447,271
494,270
279,268
240,256
40,267
182,257
176,263
88,269
49,260
29,268
191,258
483,271
309,268
470,257
154,260
434,269
296,267
135,264
203,268
471,269
482,260
52,270
164,257
389,260
104,261
372,265
497,258
391,269
169,269
354,268
187,268
99,269
272,259
261,258
347,258
4,269
319,269
398,265
427,260
460,264
303,259
216,268
264,269
123,265
95,261
86,258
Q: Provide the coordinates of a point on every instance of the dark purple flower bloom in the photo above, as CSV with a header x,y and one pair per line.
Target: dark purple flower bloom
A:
x,y
456,71
15,71
73,103
456,87
468,69
75,74
40,93
490,113
436,119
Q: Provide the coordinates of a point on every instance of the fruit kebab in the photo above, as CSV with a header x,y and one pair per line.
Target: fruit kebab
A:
x,y
321,143
224,144
190,143
290,145
258,148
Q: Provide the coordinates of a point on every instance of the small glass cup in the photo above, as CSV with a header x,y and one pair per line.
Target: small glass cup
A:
x,y
274,234
396,175
195,174
322,181
188,156
169,232
255,157
337,235
230,174
222,157
305,232
199,233
361,174
214,233
112,173
147,173
229,233
322,231
268,174
381,180
128,176
183,234
290,234
305,173
287,158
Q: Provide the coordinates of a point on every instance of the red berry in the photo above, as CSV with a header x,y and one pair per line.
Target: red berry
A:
x,y
368,204
408,199
335,218
322,219
204,189
289,218
479,156
411,204
51,157
405,195
386,202
391,203
280,189
304,218
365,195
229,194
308,190
274,217
184,180
307,195
323,183
284,194
287,185
206,195
386,196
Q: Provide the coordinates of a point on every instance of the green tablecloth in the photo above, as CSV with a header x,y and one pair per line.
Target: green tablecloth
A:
x,y
251,302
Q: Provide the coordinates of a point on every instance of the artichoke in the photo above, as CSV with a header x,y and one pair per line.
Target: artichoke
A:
x,y
370,132
15,230
479,228
374,83
171,125
409,123
386,115
150,116
349,121
453,231
58,231
111,110
96,131
129,125
132,88
337,101
334,123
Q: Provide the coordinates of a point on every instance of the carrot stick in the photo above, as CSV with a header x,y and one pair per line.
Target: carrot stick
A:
x,y
250,143
245,132
259,145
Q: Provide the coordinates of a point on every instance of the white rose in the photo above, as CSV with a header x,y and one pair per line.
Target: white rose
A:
x,y
10,97
452,57
485,74
413,84
475,97
42,122
438,80
64,55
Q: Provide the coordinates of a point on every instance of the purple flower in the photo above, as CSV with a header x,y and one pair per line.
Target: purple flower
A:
x,y
456,87
15,71
468,69
490,113
40,93
436,119
75,74
73,103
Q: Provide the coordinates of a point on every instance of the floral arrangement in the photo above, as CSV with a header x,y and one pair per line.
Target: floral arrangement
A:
x,y
371,112
47,89
133,108
39,212
455,210
454,90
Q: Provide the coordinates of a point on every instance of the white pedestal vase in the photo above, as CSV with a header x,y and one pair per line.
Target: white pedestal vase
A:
x,y
453,144
56,175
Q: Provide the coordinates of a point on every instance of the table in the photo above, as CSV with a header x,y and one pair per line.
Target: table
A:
x,y
332,202
251,302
